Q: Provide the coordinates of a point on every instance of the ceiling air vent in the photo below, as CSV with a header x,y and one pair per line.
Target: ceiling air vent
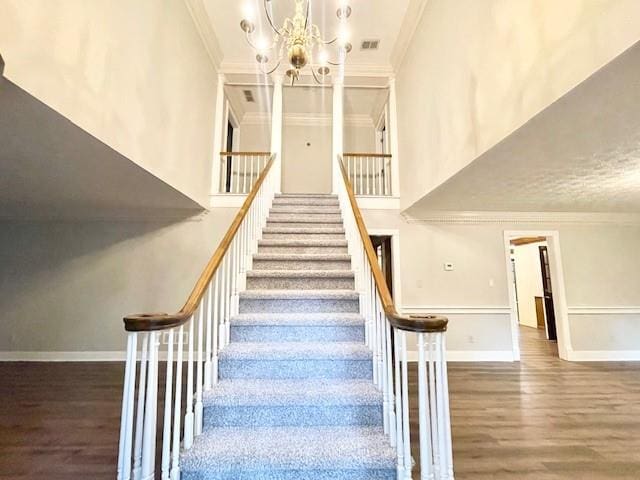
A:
x,y
369,44
248,96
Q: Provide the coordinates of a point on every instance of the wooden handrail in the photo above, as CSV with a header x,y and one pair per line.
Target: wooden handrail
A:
x,y
371,155
235,154
412,323
147,322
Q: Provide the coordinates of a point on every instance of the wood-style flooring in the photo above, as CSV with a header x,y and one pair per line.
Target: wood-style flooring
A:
x,y
542,418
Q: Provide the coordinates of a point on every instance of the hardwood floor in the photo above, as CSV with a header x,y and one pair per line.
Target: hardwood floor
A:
x,y
542,418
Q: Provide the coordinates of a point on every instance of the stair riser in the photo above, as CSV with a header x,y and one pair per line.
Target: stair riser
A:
x,y
278,333
304,224
301,265
328,250
252,305
308,283
292,416
329,474
303,236
295,369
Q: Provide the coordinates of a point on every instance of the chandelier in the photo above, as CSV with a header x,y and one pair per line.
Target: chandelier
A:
x,y
295,43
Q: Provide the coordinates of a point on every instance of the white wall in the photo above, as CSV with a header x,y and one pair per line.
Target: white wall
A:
x,y
135,75
460,94
602,282
306,168
528,281
67,286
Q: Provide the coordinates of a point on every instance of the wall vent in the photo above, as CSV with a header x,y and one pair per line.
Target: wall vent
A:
x,y
248,96
369,44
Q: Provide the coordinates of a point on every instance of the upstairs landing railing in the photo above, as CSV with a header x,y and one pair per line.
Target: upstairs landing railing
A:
x,y
195,334
369,173
386,334
240,170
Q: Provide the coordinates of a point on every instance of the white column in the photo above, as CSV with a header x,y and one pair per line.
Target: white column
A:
x,y
338,129
276,129
218,128
392,128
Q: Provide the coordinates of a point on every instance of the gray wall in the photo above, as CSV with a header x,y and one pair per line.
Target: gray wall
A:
x,y
66,286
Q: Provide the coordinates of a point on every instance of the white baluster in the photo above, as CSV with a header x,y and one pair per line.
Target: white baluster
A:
x,y
360,190
446,414
166,431
222,302
150,417
177,412
142,388
244,174
390,396
426,448
188,416
128,402
209,336
237,161
398,401
216,325
405,408
199,373
383,368
228,297
435,443
379,167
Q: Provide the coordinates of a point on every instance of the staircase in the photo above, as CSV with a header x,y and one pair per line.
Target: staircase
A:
x,y
295,397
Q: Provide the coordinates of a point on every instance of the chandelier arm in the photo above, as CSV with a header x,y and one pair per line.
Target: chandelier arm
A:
x,y
273,69
266,11
306,18
271,47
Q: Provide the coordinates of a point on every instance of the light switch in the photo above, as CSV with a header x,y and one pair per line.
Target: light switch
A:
x,y
448,267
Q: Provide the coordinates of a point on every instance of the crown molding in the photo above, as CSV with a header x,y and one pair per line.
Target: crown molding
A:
x,y
350,70
410,23
307,119
202,22
499,218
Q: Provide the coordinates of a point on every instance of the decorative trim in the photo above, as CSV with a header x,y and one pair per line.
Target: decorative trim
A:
x,y
408,29
457,310
590,310
370,202
350,70
200,17
565,218
471,356
85,356
307,119
604,355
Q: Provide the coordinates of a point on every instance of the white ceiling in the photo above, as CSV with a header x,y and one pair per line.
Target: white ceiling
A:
x,y
581,154
371,19
52,169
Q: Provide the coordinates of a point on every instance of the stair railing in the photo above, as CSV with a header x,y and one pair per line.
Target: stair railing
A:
x,y
386,334
198,332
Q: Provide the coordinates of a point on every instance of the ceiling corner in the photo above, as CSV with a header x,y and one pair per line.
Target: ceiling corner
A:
x,y
202,22
411,20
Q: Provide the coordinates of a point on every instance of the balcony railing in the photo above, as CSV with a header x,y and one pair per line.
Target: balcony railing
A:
x,y
369,173
240,170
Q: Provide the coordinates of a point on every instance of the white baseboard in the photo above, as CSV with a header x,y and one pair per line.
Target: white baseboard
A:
x,y
471,356
62,356
603,356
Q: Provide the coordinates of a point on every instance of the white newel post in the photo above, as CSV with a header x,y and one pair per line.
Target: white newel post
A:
x,y
338,129
276,129
393,138
218,128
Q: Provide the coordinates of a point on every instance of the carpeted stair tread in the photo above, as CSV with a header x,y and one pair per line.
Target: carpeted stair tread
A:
x,y
313,392
306,209
306,195
303,256
298,319
305,219
275,351
318,453
276,242
300,294
303,231
300,274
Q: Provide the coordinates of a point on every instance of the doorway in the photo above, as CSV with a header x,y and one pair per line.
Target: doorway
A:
x,y
382,247
536,294
229,148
